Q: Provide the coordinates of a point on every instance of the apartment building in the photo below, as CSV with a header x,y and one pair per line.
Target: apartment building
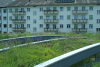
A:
x,y
3,15
54,16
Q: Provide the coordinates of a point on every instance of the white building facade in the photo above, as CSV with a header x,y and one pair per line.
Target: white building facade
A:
x,y
4,15
54,18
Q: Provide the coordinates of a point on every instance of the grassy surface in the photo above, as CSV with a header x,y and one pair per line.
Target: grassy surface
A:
x,y
31,55
96,64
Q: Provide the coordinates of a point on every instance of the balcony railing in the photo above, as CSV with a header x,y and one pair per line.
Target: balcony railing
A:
x,y
79,29
79,11
50,29
79,20
49,12
18,20
51,20
19,29
19,13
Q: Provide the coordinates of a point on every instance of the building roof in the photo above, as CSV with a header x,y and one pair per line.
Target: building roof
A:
x,y
4,3
49,2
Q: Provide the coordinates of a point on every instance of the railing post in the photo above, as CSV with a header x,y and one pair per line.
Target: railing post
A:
x,y
95,56
83,61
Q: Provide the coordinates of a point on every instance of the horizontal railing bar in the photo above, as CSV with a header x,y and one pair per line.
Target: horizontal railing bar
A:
x,y
72,57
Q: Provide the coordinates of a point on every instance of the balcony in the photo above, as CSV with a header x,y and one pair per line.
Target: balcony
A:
x,y
79,11
50,12
19,29
79,29
51,21
50,29
82,21
19,21
19,13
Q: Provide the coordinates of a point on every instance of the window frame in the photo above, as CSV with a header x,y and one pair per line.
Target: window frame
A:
x,y
10,25
41,25
34,13
90,26
68,8
61,25
68,25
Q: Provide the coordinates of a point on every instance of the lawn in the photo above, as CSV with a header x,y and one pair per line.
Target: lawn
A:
x,y
31,55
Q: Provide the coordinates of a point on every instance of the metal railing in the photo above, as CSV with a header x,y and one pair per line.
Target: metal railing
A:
x,y
51,12
18,20
79,11
19,29
79,20
72,57
19,13
51,20
51,29
79,29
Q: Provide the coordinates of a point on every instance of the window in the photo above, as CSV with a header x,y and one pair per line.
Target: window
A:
x,y
22,9
82,25
91,8
75,25
22,17
90,17
41,25
22,25
0,17
75,8
76,17
0,11
28,25
16,25
10,10
4,18
34,29
28,17
90,26
61,8
61,25
16,9
5,25
48,17
54,17
41,9
4,11
98,29
83,17
34,20
54,8
41,17
28,9
34,12
10,17
68,17
0,24
83,7
16,17
68,25
48,8
10,25
61,17
98,20
98,11
68,8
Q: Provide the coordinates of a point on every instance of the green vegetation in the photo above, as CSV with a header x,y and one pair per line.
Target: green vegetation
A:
x,y
30,55
96,64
